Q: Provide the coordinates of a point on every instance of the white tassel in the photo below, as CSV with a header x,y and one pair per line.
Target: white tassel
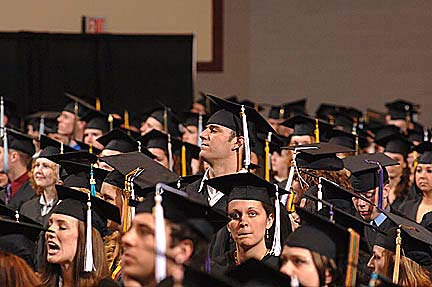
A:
x,y
284,197
319,195
160,237
276,247
2,126
200,127
246,138
88,255
170,157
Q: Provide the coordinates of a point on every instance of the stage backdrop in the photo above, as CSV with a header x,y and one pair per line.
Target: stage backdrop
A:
x,y
124,71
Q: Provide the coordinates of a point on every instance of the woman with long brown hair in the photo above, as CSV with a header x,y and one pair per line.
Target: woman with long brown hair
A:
x,y
65,258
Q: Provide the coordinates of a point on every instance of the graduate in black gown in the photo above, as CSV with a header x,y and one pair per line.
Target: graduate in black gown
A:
x,y
252,208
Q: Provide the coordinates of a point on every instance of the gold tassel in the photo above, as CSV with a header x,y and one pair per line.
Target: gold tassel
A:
x,y
126,119
183,160
98,104
354,244
267,163
290,203
317,133
111,122
397,256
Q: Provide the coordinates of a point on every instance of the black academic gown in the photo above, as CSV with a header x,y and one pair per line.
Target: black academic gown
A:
x,y
25,193
370,234
409,208
32,209
222,264
194,188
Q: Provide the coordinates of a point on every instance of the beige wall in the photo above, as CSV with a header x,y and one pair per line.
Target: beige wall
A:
x,y
357,53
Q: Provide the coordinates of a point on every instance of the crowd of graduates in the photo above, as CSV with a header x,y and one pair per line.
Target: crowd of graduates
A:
x,y
228,193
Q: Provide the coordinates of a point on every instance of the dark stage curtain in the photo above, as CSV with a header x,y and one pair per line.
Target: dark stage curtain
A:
x,y
124,71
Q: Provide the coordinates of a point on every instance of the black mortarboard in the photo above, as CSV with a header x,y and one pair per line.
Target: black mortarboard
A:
x,y
97,120
158,139
425,149
416,239
8,213
254,273
19,142
75,156
346,139
47,151
246,186
252,105
152,174
383,131
321,156
115,178
181,207
119,141
18,238
400,109
260,123
419,133
46,141
343,120
191,119
304,125
396,143
45,121
74,203
365,171
78,174
325,110
180,183
319,234
29,230
83,107
288,110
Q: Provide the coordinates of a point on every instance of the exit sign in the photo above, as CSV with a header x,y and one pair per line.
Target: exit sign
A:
x,y
93,24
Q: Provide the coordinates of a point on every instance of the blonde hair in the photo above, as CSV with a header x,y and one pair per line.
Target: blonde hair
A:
x,y
39,189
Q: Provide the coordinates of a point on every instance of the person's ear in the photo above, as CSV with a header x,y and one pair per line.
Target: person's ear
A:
x,y
183,251
239,142
270,220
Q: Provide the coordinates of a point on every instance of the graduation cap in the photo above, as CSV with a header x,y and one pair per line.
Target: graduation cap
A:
x,y
88,148
44,121
248,186
119,141
342,119
181,207
79,175
89,209
18,238
415,239
402,110
152,173
8,213
19,141
425,151
320,156
346,139
47,141
180,183
77,106
419,133
383,131
396,143
254,273
80,156
304,125
192,119
167,118
252,105
323,236
115,178
97,120
324,111
288,110
364,170
242,120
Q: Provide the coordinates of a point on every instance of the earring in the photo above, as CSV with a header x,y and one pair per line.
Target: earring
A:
x,y
267,234
230,237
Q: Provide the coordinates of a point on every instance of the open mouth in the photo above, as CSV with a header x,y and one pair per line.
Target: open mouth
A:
x,y
53,247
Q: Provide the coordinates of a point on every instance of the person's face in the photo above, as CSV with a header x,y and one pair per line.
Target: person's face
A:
x,y
91,136
297,262
113,195
423,177
32,132
149,124
66,121
107,152
300,140
61,239
44,172
190,135
396,171
280,161
198,109
275,123
249,222
138,244
376,262
366,210
161,156
217,143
